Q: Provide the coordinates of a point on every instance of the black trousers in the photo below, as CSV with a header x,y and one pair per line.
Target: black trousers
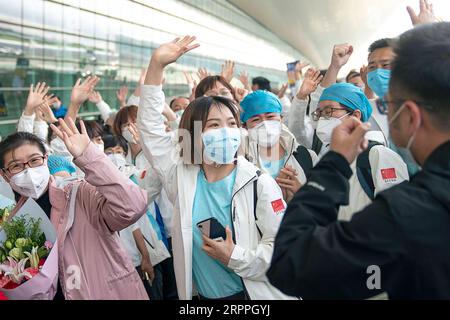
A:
x,y
169,283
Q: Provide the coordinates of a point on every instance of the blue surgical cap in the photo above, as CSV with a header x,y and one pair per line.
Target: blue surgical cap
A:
x,y
350,96
57,164
259,102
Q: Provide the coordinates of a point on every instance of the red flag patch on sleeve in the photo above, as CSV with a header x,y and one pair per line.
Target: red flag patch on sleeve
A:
x,y
388,174
278,206
143,174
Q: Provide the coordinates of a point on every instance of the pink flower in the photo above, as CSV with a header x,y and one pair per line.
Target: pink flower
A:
x,y
48,245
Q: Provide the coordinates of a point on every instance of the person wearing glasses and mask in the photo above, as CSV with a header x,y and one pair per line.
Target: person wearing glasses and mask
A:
x,y
86,214
398,246
376,169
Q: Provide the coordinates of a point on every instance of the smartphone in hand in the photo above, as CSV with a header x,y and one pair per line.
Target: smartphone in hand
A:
x,y
213,229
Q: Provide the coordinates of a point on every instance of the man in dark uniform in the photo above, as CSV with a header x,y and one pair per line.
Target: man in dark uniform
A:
x,y
400,244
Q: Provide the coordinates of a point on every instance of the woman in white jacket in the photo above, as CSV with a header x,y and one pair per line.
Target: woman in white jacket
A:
x,y
214,185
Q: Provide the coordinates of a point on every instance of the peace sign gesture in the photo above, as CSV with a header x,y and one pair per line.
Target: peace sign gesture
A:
x,y
75,141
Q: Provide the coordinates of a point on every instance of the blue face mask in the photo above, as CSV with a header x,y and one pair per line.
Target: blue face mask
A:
x,y
378,81
221,145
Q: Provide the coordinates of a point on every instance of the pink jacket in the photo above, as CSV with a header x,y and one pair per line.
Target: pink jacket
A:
x,y
106,203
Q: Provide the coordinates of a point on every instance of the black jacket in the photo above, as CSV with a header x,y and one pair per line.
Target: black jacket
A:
x,y
405,231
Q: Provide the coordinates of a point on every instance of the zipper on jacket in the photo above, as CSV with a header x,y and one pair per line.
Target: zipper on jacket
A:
x,y
233,217
290,154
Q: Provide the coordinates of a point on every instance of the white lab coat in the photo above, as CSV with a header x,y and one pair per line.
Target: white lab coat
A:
x,y
252,254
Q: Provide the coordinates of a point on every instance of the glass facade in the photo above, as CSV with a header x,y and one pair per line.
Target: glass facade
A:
x,y
60,41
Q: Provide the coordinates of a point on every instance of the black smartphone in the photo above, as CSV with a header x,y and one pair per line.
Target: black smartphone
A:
x,y
213,229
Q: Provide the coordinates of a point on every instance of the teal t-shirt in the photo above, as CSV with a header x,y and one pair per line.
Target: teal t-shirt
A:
x,y
273,167
212,200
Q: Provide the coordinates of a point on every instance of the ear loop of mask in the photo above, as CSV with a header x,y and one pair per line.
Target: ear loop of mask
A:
x,y
413,137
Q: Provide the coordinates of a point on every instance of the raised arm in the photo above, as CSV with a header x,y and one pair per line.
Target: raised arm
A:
x,y
80,94
158,146
36,97
299,122
112,202
341,54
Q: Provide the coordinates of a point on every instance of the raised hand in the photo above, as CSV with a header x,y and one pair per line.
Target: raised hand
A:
x,y
341,54
170,52
167,53
310,83
244,78
95,97
189,79
36,97
121,95
426,14
363,72
202,73
283,90
137,91
45,112
349,140
134,131
82,89
75,141
228,70
240,93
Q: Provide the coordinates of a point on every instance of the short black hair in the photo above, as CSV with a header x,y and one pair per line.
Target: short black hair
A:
x,y
93,128
380,44
425,53
112,141
17,140
262,83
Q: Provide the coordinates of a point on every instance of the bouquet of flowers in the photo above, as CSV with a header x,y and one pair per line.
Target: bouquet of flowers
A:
x,y
28,255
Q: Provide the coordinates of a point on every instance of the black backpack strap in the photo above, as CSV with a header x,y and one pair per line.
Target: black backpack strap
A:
x,y
316,144
255,199
364,171
303,157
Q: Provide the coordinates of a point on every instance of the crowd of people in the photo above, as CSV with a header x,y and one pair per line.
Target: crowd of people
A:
x,y
313,185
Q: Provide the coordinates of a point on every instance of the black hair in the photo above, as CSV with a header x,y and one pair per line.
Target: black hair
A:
x,y
380,44
262,83
93,128
425,53
17,140
112,141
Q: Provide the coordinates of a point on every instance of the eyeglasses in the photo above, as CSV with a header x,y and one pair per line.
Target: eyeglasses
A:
x,y
326,113
19,167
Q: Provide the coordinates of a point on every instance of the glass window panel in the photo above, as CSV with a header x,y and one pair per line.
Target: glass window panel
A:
x,y
33,12
71,20
53,15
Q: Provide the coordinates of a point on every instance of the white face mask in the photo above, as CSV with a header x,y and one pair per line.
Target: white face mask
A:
x,y
56,105
325,129
100,147
31,182
266,134
128,136
118,160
